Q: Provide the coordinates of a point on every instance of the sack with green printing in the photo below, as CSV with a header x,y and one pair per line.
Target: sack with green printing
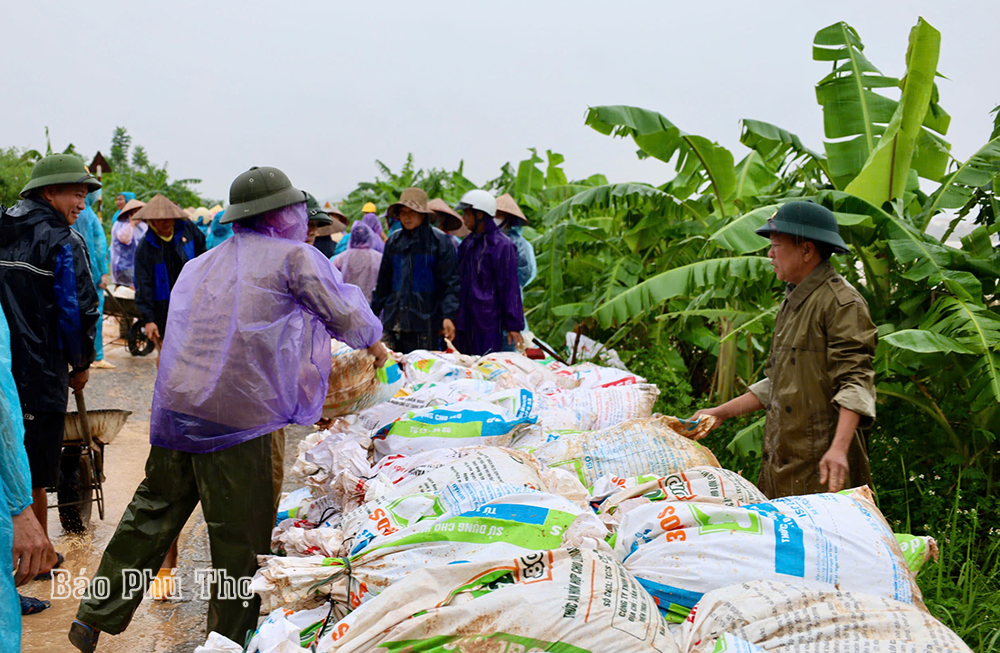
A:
x,y
433,471
681,550
509,525
809,617
466,423
712,484
568,600
633,448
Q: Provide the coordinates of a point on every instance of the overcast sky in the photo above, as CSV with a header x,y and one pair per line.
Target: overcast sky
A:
x,y
321,89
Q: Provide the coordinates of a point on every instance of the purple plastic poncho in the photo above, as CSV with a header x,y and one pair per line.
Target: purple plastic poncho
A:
x,y
247,346
360,263
125,239
490,302
375,225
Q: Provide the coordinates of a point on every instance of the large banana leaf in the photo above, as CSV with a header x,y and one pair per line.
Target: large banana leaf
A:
x,y
738,234
753,178
885,174
851,108
922,341
777,145
615,196
977,329
685,280
956,189
661,139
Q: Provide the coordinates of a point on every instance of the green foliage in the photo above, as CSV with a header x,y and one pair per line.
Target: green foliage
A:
x,y
15,170
143,177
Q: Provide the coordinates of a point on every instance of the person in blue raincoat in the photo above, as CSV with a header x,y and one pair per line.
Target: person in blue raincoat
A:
x,y
24,549
219,232
88,225
490,310
511,221
418,285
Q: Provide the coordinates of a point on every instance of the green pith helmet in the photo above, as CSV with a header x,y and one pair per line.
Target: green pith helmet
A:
x,y
316,214
259,190
60,169
806,220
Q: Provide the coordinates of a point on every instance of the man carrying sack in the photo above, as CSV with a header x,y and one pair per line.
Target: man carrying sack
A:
x,y
820,383
246,352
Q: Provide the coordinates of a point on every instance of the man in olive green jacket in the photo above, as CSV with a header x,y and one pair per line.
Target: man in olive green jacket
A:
x,y
819,389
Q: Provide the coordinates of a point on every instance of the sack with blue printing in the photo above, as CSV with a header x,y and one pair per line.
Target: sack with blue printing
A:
x,y
448,480
509,525
467,423
681,550
633,448
421,366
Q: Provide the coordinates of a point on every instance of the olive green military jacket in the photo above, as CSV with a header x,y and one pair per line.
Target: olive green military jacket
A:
x,y
820,360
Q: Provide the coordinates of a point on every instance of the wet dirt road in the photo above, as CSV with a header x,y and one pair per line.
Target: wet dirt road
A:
x,y
157,627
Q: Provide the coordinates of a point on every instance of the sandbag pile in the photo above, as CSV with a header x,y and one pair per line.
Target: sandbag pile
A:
x,y
506,504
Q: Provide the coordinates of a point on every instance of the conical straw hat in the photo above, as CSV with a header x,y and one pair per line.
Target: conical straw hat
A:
x,y
509,208
452,220
128,211
159,208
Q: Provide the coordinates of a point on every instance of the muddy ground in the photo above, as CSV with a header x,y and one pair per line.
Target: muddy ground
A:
x,y
158,627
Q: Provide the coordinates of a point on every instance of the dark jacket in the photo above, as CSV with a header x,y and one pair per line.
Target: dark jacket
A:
x,y
157,266
417,284
50,302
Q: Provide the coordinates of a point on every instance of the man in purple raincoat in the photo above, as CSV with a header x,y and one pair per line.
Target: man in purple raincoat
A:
x,y
246,352
489,308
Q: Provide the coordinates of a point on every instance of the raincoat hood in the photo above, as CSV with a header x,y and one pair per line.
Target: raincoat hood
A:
x,y
362,237
289,222
373,223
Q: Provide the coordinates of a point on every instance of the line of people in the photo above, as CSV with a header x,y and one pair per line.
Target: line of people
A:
x,y
244,332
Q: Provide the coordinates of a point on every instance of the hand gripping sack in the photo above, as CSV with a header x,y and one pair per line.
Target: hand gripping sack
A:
x,y
569,600
681,550
355,383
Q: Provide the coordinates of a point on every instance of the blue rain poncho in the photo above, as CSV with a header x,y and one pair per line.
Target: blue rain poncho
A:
x,y
359,265
527,268
247,345
88,225
15,483
218,233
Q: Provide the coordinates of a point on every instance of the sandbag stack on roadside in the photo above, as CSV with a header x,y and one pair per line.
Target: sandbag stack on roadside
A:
x,y
506,504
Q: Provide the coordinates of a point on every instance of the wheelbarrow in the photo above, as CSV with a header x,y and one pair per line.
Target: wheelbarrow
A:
x,y
131,335
81,465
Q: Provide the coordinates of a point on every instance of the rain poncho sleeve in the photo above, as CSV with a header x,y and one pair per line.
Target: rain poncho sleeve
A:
x,y
15,475
15,483
490,303
89,226
247,345
527,268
